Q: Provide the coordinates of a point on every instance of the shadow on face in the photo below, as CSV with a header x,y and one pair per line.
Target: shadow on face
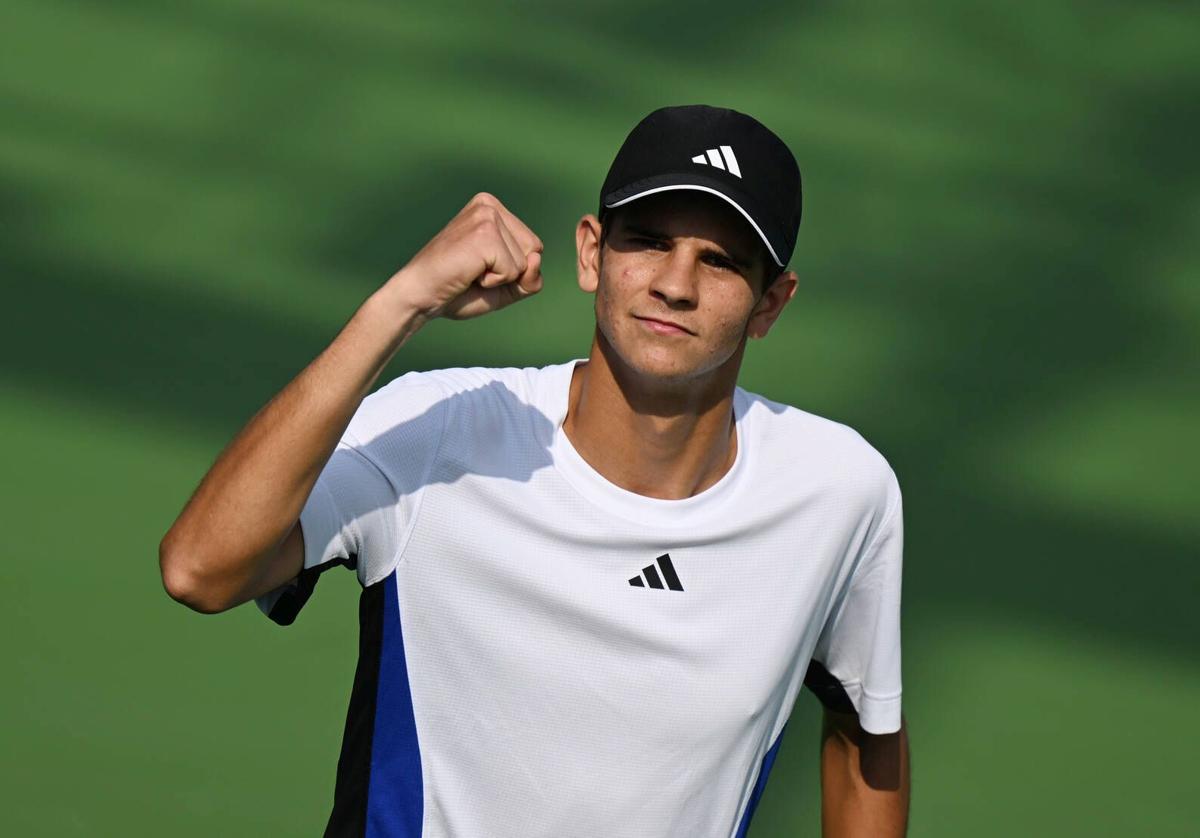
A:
x,y
686,213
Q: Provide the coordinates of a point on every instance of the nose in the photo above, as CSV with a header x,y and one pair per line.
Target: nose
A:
x,y
675,281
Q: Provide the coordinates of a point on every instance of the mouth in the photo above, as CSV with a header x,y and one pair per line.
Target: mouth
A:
x,y
664,327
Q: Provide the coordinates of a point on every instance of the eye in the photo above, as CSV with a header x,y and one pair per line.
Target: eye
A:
x,y
646,241
723,264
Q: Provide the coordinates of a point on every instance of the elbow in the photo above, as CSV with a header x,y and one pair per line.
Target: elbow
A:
x,y
184,583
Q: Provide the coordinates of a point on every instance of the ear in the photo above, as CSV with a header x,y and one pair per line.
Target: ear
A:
x,y
771,305
587,252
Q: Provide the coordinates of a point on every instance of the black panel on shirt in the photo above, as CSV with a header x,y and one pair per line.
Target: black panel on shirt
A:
x,y
827,688
349,815
292,600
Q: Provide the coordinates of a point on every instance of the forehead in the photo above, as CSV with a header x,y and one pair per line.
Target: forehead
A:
x,y
681,213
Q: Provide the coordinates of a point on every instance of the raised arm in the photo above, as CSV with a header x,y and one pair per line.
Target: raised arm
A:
x,y
864,779
237,537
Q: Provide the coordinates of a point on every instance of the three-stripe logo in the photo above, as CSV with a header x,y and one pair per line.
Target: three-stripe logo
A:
x,y
722,159
653,580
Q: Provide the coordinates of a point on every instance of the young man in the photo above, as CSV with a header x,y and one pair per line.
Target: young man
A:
x,y
592,590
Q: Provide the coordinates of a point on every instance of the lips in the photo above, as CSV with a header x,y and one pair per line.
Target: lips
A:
x,y
665,326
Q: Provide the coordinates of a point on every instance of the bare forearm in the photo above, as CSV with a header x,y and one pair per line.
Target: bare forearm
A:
x,y
864,781
253,494
236,536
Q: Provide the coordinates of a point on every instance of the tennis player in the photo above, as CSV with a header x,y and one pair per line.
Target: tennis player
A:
x,y
593,590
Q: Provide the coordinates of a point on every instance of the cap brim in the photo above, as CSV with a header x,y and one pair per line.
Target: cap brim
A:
x,y
700,183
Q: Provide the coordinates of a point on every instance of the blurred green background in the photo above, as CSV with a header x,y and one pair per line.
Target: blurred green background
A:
x,y
1000,288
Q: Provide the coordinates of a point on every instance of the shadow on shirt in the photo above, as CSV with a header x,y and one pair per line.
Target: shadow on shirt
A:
x,y
488,431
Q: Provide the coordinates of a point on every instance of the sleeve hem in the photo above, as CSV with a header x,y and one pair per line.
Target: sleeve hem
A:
x,y
318,525
267,601
876,714
314,530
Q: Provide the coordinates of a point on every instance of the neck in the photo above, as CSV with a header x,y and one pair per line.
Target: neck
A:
x,y
662,441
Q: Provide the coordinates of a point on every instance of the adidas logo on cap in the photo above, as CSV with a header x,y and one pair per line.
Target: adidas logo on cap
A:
x,y
722,159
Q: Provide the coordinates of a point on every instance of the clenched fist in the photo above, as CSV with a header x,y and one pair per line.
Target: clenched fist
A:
x,y
484,259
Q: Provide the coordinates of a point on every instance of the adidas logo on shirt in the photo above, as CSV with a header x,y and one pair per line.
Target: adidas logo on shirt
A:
x,y
652,578
722,159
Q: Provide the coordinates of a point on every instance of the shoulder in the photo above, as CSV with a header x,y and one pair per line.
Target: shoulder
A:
x,y
814,451
455,380
462,396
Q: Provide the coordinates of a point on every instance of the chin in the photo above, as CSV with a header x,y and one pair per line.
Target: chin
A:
x,y
664,361
664,370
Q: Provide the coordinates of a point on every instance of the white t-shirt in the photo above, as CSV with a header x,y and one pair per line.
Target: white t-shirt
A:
x,y
544,653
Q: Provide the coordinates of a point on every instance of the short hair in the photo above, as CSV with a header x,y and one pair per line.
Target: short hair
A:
x,y
770,271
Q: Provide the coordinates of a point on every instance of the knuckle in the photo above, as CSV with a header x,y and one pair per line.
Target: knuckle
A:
x,y
485,220
486,214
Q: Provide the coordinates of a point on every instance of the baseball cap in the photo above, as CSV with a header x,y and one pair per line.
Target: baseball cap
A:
x,y
715,150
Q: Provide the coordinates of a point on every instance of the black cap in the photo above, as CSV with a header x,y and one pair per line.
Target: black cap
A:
x,y
715,150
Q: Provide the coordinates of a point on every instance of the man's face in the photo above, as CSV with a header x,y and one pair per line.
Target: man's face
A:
x,y
684,258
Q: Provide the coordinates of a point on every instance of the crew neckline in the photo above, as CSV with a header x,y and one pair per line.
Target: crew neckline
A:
x,y
620,501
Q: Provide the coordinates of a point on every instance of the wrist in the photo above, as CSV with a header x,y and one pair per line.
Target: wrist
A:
x,y
390,311
404,294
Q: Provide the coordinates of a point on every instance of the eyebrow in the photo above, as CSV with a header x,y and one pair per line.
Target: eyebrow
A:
x,y
647,232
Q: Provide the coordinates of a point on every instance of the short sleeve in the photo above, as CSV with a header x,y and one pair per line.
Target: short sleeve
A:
x,y
856,663
367,496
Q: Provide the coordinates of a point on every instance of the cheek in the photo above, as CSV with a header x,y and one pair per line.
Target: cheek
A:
x,y
613,289
606,304
733,315
604,294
